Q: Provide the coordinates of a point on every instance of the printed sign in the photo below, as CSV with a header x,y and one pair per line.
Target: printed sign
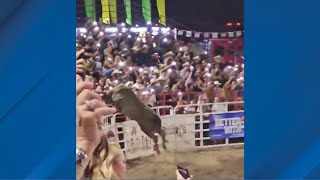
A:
x,y
179,132
226,125
137,144
110,130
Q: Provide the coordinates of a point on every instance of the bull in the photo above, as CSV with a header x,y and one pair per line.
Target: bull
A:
x,y
126,102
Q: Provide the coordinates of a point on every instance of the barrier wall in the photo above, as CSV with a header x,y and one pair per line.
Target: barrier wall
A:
x,y
184,132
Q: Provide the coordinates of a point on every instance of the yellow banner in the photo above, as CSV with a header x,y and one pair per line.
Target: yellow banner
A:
x,y
161,4
113,11
105,11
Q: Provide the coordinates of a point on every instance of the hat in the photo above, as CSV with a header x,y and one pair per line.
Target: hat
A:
x,y
156,71
170,53
196,58
161,66
129,83
162,78
217,57
186,64
144,46
138,86
116,72
216,83
135,48
124,51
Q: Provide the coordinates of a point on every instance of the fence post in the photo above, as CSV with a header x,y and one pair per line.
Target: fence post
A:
x,y
163,103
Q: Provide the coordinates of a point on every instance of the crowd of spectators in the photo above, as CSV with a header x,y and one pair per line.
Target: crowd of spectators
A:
x,y
160,69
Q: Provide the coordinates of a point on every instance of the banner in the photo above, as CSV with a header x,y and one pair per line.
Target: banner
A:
x,y
136,143
105,11
180,132
127,4
146,10
90,8
113,11
161,4
226,125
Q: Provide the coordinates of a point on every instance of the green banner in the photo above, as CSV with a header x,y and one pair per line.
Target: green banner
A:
x,y
127,4
146,10
90,7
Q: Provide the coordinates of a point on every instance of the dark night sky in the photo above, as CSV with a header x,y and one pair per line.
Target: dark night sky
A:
x,y
198,15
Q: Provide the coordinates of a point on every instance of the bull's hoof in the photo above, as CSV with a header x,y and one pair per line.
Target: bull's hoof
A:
x,y
156,148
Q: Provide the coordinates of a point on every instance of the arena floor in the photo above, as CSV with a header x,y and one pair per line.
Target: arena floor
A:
x,y
214,163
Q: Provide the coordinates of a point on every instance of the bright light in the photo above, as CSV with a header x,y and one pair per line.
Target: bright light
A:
x,y
124,30
206,52
129,36
133,29
181,49
165,40
137,25
152,90
209,64
173,63
130,68
229,24
94,23
179,93
169,70
121,63
98,45
148,23
123,24
242,65
164,30
111,29
140,70
120,34
235,69
155,28
83,30
191,67
96,28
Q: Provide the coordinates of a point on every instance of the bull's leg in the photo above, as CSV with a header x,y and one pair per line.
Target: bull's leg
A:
x,y
164,141
156,145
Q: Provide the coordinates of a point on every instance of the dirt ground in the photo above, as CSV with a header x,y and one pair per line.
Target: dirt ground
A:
x,y
214,163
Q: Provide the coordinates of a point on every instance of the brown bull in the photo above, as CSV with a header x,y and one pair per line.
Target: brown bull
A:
x,y
126,101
